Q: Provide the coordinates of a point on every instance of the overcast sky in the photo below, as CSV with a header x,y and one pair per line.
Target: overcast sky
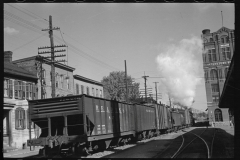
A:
x,y
101,36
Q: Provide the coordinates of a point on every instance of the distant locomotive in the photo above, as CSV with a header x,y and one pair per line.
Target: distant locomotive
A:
x,y
81,123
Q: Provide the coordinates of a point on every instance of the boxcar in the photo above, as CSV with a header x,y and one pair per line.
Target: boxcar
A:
x,y
82,123
176,120
162,118
145,120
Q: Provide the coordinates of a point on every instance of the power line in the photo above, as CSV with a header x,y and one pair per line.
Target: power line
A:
x,y
29,24
28,13
28,42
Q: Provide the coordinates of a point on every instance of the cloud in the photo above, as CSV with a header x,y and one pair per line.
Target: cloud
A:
x,y
202,7
10,31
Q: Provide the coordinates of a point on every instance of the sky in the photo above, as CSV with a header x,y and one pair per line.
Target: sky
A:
x,y
162,41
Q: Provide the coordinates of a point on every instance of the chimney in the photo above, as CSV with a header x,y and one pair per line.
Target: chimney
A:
x,y
8,56
206,31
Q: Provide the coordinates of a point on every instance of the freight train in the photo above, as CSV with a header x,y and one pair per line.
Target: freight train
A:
x,y
80,124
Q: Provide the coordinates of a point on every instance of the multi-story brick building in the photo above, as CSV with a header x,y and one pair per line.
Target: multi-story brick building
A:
x,y
87,86
64,82
218,49
19,86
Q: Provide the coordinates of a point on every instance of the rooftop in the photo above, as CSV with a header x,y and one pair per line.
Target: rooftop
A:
x,y
81,78
13,69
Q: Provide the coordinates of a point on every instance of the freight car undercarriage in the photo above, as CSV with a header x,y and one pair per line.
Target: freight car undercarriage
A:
x,y
83,145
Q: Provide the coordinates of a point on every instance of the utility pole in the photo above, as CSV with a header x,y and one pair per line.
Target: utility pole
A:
x,y
50,30
156,90
126,80
145,78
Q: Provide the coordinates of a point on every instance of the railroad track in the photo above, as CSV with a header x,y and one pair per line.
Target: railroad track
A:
x,y
193,144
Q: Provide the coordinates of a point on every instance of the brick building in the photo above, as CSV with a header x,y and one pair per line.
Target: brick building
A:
x,y
88,86
64,82
218,49
19,86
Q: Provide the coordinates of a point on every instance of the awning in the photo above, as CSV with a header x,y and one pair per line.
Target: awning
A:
x,y
231,91
8,106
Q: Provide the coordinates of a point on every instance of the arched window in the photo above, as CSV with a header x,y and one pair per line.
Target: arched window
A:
x,y
19,118
206,75
227,39
218,115
226,71
222,40
213,74
220,73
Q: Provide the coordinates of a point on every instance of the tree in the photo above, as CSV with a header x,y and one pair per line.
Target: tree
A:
x,y
114,87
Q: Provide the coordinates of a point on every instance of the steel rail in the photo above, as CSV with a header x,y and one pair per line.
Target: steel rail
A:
x,y
179,150
212,142
205,144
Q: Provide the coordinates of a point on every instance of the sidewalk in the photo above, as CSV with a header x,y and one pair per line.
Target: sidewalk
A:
x,y
15,152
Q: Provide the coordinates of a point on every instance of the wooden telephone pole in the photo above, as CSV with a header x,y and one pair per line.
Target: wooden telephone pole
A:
x,y
156,90
50,30
145,78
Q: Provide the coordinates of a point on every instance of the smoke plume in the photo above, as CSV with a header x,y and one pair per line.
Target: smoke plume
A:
x,y
180,66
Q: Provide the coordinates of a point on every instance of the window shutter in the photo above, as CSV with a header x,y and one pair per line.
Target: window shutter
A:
x,y
23,114
16,89
16,118
27,118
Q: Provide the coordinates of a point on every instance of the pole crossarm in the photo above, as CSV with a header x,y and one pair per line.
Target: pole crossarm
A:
x,y
50,29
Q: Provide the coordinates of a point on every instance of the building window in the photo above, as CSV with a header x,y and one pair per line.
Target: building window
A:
x,y
23,90
16,89
204,57
43,73
96,92
227,39
19,89
214,57
100,94
5,88
87,90
209,58
30,91
82,89
226,72
222,40
19,118
68,84
27,91
93,92
215,99
211,39
218,115
77,89
220,73
9,88
228,52
35,91
206,75
61,81
223,54
213,74
56,80
215,88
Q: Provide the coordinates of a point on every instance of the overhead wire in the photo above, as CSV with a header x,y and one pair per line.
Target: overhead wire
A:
x,y
35,15
15,19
